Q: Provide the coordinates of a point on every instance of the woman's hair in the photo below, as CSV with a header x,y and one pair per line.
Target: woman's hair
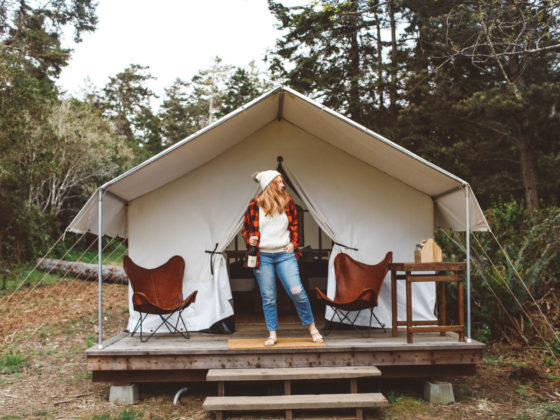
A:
x,y
273,199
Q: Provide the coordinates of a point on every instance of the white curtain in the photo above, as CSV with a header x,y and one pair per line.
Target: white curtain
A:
x,y
312,205
362,218
189,217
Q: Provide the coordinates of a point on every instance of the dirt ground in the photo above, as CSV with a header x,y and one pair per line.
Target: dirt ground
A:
x,y
44,332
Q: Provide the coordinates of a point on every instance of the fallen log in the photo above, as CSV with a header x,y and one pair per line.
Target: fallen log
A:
x,y
109,273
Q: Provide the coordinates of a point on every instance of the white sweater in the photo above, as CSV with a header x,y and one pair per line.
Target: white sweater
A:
x,y
274,231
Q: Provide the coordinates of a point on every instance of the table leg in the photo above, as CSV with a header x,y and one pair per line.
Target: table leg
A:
x,y
461,310
408,307
394,302
442,313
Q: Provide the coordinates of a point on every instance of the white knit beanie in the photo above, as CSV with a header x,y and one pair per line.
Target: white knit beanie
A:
x,y
264,178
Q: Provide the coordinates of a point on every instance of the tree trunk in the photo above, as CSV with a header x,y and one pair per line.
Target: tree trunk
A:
x,y
379,63
74,269
393,87
528,171
354,105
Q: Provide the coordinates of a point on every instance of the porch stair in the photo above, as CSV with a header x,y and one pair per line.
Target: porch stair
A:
x,y
289,402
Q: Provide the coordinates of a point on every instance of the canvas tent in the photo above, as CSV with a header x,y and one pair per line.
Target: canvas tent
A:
x,y
364,192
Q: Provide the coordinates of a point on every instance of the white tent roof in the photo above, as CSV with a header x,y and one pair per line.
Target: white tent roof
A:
x,y
446,190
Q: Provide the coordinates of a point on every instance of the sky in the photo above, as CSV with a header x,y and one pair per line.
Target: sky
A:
x,y
175,38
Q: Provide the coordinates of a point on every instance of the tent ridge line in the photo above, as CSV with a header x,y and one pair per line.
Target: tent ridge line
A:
x,y
193,136
374,134
280,106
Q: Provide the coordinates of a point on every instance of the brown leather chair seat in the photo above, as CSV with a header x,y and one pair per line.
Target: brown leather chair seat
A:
x,y
357,288
159,291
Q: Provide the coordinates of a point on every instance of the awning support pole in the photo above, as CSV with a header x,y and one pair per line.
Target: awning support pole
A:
x,y
468,251
100,264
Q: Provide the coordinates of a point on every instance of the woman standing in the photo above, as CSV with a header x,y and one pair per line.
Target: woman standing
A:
x,y
271,224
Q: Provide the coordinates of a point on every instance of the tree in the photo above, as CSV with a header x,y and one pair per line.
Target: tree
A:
x,y
74,151
506,38
243,86
126,101
210,94
329,53
33,31
175,114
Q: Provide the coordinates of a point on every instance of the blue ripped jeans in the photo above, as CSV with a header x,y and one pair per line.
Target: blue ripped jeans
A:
x,y
285,265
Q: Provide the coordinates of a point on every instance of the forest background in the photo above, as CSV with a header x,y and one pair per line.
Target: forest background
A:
x,y
473,87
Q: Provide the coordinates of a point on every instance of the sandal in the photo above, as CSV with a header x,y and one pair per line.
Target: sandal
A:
x,y
316,336
270,341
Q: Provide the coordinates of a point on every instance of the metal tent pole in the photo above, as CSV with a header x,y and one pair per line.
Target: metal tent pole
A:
x,y
100,264
468,251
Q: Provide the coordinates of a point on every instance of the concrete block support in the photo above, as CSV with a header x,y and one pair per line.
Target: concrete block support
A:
x,y
127,394
438,392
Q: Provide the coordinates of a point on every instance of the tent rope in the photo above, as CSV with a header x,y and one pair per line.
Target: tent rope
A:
x,y
462,247
524,285
46,274
517,300
72,279
35,268
478,267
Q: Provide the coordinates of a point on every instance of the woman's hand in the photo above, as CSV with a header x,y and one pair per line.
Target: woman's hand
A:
x,y
253,240
289,248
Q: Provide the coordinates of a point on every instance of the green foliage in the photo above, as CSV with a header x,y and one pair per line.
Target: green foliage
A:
x,y
12,362
125,101
532,241
125,414
90,341
209,95
330,54
34,32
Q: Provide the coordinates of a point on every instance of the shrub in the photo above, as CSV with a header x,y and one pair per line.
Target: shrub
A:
x,y
531,239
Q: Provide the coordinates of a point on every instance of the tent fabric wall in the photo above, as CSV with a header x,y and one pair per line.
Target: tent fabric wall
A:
x,y
363,208
192,195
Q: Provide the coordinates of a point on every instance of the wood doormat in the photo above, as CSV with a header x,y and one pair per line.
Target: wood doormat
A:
x,y
283,343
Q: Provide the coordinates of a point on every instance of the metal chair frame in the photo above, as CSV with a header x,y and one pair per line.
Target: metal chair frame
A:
x,y
329,325
165,321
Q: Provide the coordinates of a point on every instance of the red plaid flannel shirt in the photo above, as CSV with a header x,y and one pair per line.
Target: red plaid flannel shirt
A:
x,y
251,227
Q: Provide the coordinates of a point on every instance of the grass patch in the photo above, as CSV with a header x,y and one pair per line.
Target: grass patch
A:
x,y
112,254
126,414
408,407
19,273
90,341
12,362
546,411
42,413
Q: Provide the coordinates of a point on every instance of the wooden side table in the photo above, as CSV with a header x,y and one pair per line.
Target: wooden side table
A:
x,y
416,272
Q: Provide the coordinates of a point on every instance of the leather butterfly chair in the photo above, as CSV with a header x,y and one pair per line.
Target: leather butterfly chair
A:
x,y
357,288
159,291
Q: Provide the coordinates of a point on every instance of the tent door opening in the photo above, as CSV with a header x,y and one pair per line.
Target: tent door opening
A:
x,y
315,246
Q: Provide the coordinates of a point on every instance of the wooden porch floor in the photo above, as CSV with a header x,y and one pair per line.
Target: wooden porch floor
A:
x,y
164,358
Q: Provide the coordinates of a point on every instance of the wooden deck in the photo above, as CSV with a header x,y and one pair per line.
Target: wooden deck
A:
x,y
166,358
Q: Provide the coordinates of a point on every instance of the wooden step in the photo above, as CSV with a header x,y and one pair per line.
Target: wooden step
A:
x,y
294,402
279,374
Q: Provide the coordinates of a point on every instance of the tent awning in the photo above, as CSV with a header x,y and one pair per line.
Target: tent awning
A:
x,y
282,103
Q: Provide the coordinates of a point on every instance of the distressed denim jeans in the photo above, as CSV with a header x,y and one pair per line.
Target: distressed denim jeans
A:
x,y
283,264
